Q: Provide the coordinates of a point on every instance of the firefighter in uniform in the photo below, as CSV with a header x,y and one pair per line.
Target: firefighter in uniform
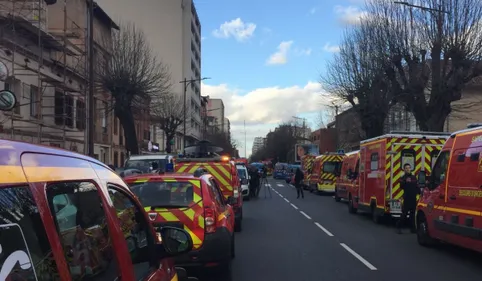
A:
x,y
410,191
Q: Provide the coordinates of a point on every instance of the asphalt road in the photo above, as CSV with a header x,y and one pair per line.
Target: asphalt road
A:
x,y
315,239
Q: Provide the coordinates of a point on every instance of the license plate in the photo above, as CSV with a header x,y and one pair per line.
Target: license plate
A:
x,y
395,207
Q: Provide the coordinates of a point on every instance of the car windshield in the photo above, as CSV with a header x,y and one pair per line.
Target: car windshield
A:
x,y
331,167
144,165
242,173
165,194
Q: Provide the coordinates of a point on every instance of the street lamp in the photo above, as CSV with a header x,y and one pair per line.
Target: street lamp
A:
x,y
186,83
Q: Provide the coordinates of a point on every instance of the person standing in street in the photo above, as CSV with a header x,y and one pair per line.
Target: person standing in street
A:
x,y
408,183
298,183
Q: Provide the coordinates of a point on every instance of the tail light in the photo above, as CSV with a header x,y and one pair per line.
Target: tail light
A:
x,y
210,220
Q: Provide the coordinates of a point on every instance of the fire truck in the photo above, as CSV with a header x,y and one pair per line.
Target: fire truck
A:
x,y
381,167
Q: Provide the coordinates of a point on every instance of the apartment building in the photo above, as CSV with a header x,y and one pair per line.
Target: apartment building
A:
x,y
174,33
258,144
43,48
227,127
216,110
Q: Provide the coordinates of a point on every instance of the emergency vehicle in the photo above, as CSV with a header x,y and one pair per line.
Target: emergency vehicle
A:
x,y
306,167
223,170
347,181
326,168
381,167
280,170
193,202
57,221
450,207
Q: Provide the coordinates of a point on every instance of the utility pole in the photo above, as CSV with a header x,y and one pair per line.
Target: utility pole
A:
x,y
186,83
90,96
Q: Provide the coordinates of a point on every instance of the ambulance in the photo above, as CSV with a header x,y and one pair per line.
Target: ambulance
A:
x,y
381,167
325,170
450,208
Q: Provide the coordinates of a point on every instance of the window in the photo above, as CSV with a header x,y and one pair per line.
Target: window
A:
x,y
434,155
69,111
242,173
22,232
439,169
34,101
79,216
164,194
374,162
218,195
59,108
116,159
408,157
136,233
332,167
122,159
104,116
80,115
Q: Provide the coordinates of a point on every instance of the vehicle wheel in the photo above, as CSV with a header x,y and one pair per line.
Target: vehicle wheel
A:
x,y
375,217
226,271
233,247
337,198
351,208
238,225
423,237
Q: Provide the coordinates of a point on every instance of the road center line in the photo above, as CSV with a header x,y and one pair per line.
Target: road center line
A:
x,y
324,229
304,214
280,185
294,206
286,200
360,258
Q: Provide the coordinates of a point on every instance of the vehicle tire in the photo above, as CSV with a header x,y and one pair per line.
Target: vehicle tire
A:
x,y
337,198
375,217
233,247
226,271
423,237
351,208
238,226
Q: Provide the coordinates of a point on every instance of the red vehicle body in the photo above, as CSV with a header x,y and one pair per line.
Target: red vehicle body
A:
x,y
451,203
307,167
241,160
71,217
225,173
381,168
196,204
347,182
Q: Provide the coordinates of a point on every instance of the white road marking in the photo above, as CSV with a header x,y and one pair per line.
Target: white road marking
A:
x,y
304,214
280,185
286,200
324,229
360,258
294,206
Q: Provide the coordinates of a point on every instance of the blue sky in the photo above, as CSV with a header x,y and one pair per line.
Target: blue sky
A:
x,y
265,58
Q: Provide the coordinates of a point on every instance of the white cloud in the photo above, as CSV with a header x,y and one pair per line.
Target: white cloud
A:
x,y
264,108
303,52
331,48
237,29
349,15
281,56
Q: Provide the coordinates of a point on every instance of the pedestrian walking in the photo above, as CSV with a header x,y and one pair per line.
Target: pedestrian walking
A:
x,y
298,183
410,191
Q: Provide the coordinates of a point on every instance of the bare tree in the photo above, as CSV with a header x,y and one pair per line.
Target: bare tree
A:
x,y
168,114
223,140
434,48
356,75
134,77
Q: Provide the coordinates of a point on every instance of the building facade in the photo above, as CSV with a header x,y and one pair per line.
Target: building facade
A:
x,y
227,128
258,144
174,33
216,110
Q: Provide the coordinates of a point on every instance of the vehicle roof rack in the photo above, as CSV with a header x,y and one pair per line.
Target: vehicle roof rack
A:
x,y
420,133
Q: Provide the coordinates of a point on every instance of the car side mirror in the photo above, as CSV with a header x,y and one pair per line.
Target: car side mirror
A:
x,y
175,241
231,200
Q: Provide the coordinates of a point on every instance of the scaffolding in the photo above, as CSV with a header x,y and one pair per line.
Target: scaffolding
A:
x,y
46,57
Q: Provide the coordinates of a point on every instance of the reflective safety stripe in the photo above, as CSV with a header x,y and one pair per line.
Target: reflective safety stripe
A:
x,y
422,159
220,171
